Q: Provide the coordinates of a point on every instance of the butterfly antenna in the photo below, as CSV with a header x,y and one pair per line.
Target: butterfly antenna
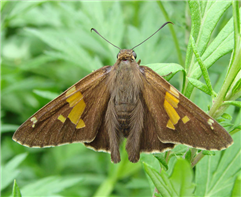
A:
x,y
93,29
152,34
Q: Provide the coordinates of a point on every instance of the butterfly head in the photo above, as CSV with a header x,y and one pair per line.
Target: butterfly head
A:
x,y
126,54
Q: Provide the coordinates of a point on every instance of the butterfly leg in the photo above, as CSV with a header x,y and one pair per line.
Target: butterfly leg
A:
x,y
136,126
112,124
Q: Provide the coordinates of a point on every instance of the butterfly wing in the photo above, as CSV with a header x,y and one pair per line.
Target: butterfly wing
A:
x,y
149,140
177,120
75,116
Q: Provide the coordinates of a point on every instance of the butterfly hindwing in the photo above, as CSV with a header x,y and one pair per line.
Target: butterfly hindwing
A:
x,y
177,119
74,116
149,141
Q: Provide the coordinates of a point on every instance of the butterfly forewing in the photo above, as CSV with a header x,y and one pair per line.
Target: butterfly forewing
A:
x,y
64,120
177,119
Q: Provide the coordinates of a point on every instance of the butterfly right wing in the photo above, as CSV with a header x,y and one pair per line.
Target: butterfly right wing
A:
x,y
179,121
75,116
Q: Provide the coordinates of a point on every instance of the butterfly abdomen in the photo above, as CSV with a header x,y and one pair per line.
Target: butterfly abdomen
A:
x,y
124,112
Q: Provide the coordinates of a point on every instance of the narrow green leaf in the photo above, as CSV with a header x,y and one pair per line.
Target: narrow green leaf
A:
x,y
49,186
21,8
202,66
162,161
136,183
227,116
237,86
196,17
235,130
160,180
16,190
213,12
8,128
236,188
201,86
234,103
46,94
188,155
9,171
207,152
166,69
237,28
64,43
36,62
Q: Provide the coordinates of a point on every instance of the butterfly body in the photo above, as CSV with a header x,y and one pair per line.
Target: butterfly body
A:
x,y
124,115
123,100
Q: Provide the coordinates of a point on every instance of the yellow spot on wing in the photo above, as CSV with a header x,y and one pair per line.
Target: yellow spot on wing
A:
x,y
210,122
76,112
174,92
171,99
185,119
61,118
70,91
34,120
171,112
170,125
80,124
74,99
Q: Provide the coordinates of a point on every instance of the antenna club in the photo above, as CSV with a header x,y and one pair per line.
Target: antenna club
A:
x,y
152,34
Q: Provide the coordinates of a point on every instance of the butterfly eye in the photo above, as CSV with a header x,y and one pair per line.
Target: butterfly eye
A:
x,y
134,54
118,55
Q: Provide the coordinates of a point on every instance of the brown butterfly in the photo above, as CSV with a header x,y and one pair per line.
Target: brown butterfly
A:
x,y
125,100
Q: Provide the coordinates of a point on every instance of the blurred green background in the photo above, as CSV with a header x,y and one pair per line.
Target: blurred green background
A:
x,y
46,47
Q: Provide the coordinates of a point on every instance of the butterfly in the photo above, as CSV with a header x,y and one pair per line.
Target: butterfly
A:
x,y
125,100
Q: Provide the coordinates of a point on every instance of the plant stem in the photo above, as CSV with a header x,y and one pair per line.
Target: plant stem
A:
x,y
179,54
217,109
197,159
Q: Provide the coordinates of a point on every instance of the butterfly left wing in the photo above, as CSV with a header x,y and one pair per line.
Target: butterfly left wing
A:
x,y
75,116
177,120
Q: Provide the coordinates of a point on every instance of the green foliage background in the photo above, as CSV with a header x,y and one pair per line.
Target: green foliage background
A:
x,y
47,46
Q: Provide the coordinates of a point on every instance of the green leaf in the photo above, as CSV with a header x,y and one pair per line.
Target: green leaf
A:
x,y
208,152
235,130
8,128
160,180
180,182
162,161
234,103
182,178
65,46
201,86
210,52
202,66
206,21
49,186
37,62
16,190
237,86
215,175
46,94
166,69
227,116
188,155
236,188
9,171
